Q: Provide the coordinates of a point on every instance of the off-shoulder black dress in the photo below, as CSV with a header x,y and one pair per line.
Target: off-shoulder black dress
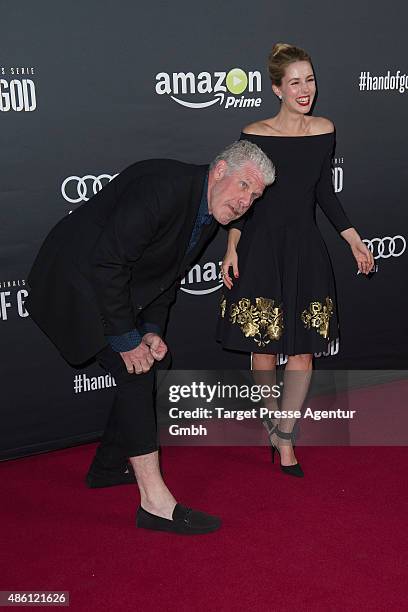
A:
x,y
284,300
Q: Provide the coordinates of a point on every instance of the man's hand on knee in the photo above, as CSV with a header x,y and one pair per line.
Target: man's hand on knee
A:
x,y
158,348
139,360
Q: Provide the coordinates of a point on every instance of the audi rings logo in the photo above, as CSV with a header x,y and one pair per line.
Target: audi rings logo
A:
x,y
383,248
77,189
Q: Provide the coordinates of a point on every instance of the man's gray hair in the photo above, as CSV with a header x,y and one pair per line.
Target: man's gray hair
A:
x,y
241,152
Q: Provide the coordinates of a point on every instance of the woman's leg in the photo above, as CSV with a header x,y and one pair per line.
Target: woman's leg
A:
x,y
264,373
297,376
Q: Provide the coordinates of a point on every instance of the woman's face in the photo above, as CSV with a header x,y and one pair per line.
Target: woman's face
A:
x,y
298,87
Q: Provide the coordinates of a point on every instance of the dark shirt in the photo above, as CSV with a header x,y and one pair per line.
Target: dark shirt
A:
x,y
203,217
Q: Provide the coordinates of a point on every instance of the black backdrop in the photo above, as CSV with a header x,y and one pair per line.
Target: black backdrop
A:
x,y
88,88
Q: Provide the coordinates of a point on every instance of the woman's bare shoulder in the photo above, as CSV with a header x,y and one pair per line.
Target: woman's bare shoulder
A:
x,y
258,128
321,125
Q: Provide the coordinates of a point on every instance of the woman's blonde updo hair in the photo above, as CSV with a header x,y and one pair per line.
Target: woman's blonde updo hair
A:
x,y
281,56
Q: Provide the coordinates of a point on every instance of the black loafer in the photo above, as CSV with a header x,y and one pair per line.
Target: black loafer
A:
x,y
185,521
99,477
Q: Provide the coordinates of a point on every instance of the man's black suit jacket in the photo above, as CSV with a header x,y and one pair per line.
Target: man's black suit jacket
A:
x,y
114,263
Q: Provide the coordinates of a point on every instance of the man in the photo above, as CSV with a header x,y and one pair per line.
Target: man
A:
x,y
102,285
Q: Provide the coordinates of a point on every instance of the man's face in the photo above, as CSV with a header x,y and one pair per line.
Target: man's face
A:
x,y
231,194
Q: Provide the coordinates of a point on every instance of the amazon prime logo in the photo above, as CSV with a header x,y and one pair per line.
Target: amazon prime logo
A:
x,y
207,89
203,279
386,247
76,189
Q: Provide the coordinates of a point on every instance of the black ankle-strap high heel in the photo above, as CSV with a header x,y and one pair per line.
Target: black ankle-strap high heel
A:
x,y
291,470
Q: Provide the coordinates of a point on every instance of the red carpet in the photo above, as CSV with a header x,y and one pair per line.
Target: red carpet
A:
x,y
335,540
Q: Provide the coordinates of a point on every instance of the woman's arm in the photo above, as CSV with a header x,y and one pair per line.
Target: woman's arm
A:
x,y
330,204
231,257
234,236
327,199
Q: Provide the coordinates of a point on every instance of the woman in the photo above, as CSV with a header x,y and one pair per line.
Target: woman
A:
x,y
283,296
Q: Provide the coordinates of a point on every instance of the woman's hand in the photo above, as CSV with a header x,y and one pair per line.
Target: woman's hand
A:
x,y
363,256
230,261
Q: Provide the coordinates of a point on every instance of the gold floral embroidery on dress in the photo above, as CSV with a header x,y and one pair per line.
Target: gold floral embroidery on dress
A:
x,y
318,316
262,321
223,305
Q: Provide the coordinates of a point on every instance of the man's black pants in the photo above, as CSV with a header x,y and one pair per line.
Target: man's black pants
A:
x,y
131,428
